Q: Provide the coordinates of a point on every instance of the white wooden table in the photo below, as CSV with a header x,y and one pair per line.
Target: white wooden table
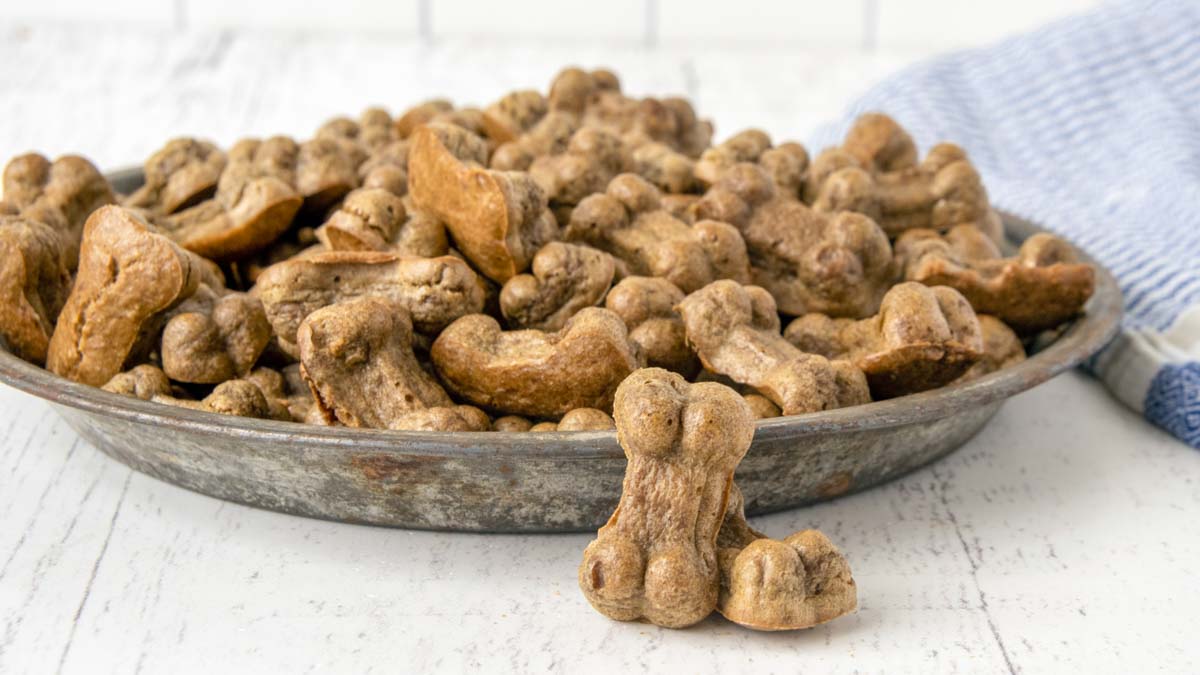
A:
x,y
1063,538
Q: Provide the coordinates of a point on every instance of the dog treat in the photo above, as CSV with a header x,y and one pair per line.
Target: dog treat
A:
x,y
512,423
549,136
105,312
565,278
35,279
1001,349
183,173
373,130
514,114
241,398
498,219
923,337
274,387
386,169
656,557
590,160
744,146
573,89
357,358
534,373
767,584
878,143
837,264
210,339
579,419
761,406
61,194
735,331
368,219
448,418
647,306
666,168
435,291
627,220
145,382
1040,287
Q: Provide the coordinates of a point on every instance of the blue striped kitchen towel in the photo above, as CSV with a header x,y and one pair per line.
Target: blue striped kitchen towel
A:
x,y
1091,127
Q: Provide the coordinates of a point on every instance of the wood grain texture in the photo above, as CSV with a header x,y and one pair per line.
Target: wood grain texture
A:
x,y
1062,538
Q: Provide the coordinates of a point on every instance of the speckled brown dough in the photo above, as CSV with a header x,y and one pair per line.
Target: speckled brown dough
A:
x,y
565,278
923,337
357,358
628,221
104,313
1001,349
34,282
656,558
61,194
735,331
436,291
647,306
210,339
810,262
498,219
1039,288
767,584
182,173
533,373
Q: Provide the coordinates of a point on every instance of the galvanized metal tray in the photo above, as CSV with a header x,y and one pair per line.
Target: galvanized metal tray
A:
x,y
546,482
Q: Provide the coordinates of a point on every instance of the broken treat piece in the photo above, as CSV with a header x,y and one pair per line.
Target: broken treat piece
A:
x,y
105,312
35,279
579,419
656,557
647,306
1001,349
767,584
838,264
735,331
182,173
923,337
435,291
210,338
1040,287
565,278
145,382
61,194
357,358
534,373
628,221
498,219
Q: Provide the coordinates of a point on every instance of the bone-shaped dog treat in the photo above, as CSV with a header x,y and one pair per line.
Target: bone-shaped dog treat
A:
x,y
565,278
549,136
647,306
387,169
744,146
1001,349
61,194
573,88
210,338
666,168
534,373
373,130
810,262
241,398
944,190
579,419
182,173
357,358
368,219
35,279
514,114
127,275
735,331
627,221
1040,287
145,382
274,387
922,338
448,418
767,584
498,219
878,143
656,557
591,159
327,169
435,291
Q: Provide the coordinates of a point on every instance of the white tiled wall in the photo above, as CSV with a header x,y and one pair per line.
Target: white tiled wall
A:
x,y
845,23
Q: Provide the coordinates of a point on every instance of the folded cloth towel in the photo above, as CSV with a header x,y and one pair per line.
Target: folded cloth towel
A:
x,y
1090,126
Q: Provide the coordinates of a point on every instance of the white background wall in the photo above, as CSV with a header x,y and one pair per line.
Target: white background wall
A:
x,y
867,24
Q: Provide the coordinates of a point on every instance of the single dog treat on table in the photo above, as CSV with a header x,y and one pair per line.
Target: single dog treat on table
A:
x,y
498,219
209,338
628,221
656,558
357,358
647,306
1040,287
435,291
564,279
735,331
534,373
768,584
35,279
105,312
61,194
838,264
182,173
923,337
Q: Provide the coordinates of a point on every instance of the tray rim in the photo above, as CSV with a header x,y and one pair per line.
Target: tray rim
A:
x,y
1084,337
